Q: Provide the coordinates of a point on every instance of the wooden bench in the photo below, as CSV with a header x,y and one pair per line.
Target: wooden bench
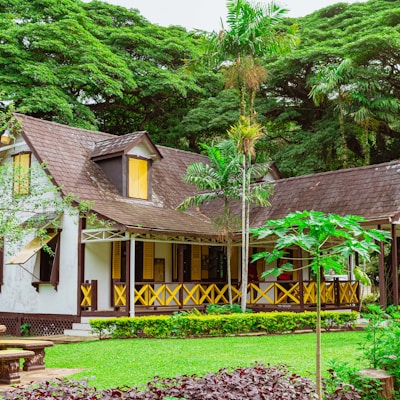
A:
x,y
9,364
35,346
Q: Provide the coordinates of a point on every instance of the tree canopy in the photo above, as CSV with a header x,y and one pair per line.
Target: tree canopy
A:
x,y
100,66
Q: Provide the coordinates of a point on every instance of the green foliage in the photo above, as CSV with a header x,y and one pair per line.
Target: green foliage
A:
x,y
344,372
25,329
328,239
382,345
193,325
216,309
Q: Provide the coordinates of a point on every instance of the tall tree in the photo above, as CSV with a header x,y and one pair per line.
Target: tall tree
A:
x,y
245,135
334,81
252,34
328,239
217,179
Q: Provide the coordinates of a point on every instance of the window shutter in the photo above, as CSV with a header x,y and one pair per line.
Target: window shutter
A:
x,y
234,263
138,178
55,270
148,261
116,260
196,263
21,165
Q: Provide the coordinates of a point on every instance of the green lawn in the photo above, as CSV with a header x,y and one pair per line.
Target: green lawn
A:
x,y
112,363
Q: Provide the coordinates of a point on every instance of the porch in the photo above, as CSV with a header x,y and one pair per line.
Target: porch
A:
x,y
156,298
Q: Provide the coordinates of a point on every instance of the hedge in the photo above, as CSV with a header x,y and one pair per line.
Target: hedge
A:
x,y
182,326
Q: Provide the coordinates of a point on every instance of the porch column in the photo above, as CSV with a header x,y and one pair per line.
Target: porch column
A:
x,y
81,263
382,283
131,278
395,267
181,248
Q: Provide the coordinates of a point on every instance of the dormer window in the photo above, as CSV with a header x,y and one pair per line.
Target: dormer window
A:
x,y
126,161
138,178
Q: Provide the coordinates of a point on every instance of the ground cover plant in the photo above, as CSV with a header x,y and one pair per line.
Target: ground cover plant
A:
x,y
256,382
130,362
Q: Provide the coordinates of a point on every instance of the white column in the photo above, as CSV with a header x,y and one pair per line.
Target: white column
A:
x,y
132,278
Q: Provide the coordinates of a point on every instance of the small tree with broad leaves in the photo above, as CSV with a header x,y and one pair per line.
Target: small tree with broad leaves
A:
x,y
328,239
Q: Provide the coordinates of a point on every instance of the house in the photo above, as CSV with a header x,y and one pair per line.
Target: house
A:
x,y
140,255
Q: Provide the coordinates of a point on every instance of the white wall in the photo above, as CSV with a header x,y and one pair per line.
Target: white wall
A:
x,y
164,250
98,267
19,296
17,293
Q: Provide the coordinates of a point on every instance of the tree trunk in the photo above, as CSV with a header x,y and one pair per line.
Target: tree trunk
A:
x,y
387,381
228,265
244,247
318,375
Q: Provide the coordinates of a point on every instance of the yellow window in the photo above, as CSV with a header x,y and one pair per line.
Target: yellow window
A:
x,y
138,178
148,261
116,260
22,163
196,263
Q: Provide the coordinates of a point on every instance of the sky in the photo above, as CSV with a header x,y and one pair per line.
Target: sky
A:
x,y
206,14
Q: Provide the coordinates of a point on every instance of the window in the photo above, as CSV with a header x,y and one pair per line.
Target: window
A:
x,y
21,170
144,261
200,263
138,185
118,262
47,265
50,262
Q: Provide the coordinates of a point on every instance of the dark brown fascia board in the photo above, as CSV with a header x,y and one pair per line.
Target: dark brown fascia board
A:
x,y
107,156
134,229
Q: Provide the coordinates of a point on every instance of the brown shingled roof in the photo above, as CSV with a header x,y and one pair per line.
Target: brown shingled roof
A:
x,y
372,192
67,153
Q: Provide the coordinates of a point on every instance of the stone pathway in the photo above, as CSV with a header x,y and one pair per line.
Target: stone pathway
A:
x,y
29,378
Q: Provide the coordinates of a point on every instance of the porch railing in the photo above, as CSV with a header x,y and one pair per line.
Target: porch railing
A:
x,y
333,293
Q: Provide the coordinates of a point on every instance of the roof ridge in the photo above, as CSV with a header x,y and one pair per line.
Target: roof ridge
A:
x,y
29,117
341,171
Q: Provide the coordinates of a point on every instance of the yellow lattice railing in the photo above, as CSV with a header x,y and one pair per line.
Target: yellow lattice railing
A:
x,y
183,294
348,292
119,295
86,291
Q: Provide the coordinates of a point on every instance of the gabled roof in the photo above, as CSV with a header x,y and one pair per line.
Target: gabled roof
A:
x,y
123,144
372,192
67,152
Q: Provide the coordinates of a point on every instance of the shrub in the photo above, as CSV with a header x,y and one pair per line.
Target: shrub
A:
x,y
216,309
382,345
194,324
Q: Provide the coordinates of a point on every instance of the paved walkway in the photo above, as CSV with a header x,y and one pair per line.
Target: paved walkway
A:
x,y
30,377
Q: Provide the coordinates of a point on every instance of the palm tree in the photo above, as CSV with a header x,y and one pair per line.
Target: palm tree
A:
x,y
245,135
333,82
217,179
251,35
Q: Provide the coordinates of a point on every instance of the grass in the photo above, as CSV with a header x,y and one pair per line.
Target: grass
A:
x,y
131,362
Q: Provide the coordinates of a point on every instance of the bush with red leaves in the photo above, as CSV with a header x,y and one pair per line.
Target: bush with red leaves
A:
x,y
258,382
